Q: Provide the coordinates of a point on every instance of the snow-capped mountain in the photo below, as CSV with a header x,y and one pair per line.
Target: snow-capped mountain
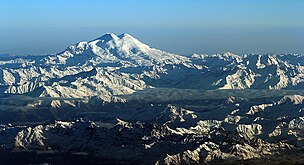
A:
x,y
118,65
127,102
122,50
102,67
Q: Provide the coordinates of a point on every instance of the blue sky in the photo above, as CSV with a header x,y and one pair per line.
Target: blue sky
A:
x,y
181,26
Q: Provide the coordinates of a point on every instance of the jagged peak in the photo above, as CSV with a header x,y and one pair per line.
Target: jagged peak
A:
x,y
230,54
294,99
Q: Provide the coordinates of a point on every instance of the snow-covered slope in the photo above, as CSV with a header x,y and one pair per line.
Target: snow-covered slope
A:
x,y
230,71
109,65
124,50
118,65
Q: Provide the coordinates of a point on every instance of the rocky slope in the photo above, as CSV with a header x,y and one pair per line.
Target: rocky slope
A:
x,y
229,129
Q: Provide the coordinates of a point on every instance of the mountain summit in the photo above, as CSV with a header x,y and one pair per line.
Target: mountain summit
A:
x,y
111,48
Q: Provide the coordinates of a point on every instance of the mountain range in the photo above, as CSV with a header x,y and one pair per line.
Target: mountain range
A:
x,y
118,65
125,102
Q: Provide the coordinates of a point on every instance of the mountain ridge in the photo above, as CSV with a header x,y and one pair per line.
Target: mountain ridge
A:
x,y
125,65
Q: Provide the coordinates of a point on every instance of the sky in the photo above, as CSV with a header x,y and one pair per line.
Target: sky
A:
x,y
180,26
